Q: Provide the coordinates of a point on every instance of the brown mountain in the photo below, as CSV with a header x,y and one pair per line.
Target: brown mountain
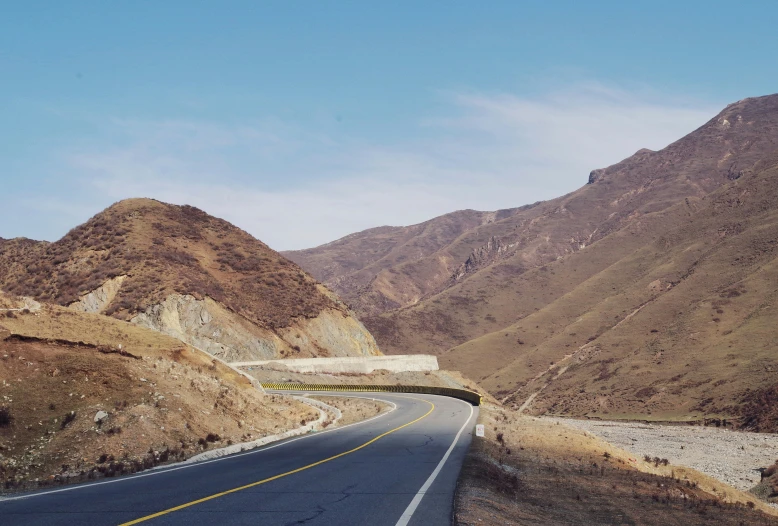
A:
x,y
682,327
190,275
558,278
389,267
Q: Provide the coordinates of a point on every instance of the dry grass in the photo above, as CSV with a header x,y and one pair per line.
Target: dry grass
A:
x,y
528,471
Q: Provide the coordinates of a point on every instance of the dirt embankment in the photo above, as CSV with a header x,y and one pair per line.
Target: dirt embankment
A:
x,y
534,471
84,396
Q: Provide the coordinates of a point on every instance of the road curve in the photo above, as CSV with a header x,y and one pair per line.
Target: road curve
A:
x,y
400,468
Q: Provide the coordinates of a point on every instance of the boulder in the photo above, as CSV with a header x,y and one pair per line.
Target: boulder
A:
x,y
100,417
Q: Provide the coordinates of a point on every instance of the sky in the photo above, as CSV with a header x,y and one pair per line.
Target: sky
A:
x,y
302,122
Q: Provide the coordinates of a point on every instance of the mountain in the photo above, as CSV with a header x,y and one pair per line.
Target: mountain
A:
x,y
182,272
565,277
682,327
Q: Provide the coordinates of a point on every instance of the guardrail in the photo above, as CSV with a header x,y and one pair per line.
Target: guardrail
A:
x,y
462,394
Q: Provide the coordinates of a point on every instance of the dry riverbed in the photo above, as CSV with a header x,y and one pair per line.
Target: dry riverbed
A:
x,y
732,457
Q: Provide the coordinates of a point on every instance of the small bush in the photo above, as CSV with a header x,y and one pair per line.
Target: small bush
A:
x,y
67,419
6,418
212,437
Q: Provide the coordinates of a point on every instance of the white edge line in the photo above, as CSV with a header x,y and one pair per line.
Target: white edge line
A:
x,y
197,464
411,509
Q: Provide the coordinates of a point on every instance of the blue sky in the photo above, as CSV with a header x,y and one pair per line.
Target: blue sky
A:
x,y
302,122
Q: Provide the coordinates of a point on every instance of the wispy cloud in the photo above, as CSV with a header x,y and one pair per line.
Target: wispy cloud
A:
x,y
293,187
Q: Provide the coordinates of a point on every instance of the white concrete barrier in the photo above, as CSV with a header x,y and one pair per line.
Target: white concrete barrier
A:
x,y
352,364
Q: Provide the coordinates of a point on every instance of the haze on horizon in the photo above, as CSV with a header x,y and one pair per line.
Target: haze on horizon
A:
x,y
304,126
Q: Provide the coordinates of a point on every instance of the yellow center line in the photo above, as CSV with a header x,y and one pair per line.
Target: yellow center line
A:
x,y
263,481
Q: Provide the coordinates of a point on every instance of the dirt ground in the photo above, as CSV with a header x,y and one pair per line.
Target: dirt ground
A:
x,y
353,409
532,471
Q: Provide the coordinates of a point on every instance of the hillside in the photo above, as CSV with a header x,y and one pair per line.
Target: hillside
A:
x,y
681,328
161,400
389,267
641,293
178,270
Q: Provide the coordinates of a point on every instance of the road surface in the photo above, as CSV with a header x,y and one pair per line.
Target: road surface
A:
x,y
399,468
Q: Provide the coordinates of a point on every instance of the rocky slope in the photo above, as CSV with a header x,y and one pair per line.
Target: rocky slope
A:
x,y
182,272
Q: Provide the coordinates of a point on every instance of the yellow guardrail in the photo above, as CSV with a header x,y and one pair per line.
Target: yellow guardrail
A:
x,y
462,394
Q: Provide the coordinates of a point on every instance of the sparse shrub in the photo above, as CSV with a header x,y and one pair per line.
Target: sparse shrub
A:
x,y
212,437
6,418
67,419
500,438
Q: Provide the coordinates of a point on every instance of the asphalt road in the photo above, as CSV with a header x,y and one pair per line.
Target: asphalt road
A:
x,y
373,473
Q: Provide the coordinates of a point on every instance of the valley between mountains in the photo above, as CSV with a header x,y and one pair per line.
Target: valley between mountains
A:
x,y
648,294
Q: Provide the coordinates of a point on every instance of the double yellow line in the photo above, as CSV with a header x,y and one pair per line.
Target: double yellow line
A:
x,y
270,479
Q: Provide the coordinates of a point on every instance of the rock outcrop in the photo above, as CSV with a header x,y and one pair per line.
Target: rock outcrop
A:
x,y
207,325
99,299
482,256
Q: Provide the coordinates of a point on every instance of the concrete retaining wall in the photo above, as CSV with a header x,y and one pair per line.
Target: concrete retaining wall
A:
x,y
352,364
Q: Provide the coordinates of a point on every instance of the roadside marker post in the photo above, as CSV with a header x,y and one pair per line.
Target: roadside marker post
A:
x,y
479,430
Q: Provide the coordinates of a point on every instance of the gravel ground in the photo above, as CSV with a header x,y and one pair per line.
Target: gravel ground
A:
x,y
732,457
